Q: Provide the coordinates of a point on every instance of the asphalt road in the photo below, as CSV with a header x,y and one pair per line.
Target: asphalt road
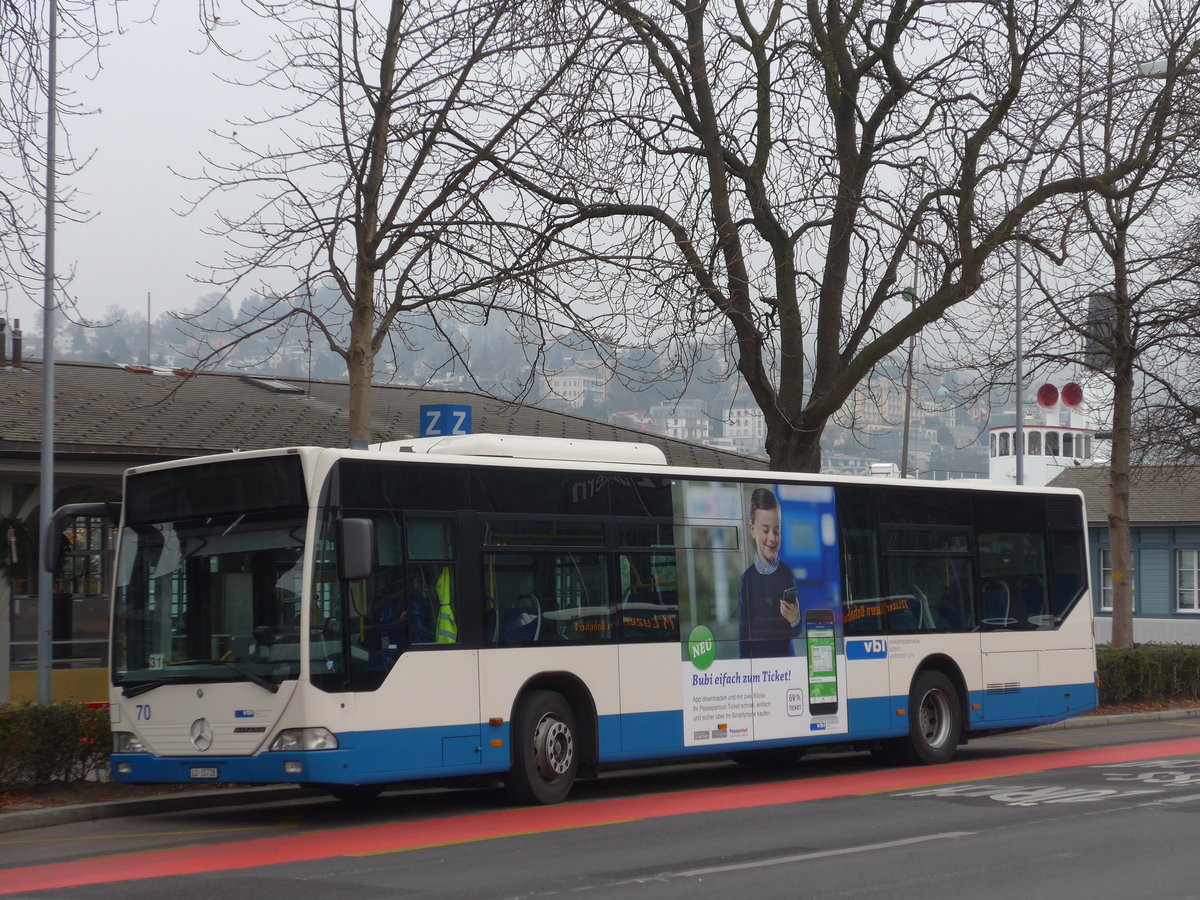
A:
x,y
1083,812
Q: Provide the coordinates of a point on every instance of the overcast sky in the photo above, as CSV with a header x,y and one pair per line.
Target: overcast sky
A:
x,y
157,99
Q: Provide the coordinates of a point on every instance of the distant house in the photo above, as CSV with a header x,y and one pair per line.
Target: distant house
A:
x,y
580,382
111,417
1164,510
684,420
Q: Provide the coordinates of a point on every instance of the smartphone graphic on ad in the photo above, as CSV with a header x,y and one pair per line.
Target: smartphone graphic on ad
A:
x,y
789,597
822,662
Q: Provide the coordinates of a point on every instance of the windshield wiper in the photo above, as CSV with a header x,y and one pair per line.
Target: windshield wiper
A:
x,y
141,688
250,676
144,686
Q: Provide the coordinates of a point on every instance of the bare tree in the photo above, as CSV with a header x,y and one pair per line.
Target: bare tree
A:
x,y
781,171
1123,308
24,83
373,214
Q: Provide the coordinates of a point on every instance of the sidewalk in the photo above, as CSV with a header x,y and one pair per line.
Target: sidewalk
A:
x,y
22,819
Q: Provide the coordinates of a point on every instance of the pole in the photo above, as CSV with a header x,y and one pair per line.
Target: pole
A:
x,y
148,328
6,592
908,383
45,609
1019,374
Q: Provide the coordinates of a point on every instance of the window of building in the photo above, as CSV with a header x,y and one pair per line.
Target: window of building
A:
x,y
1004,443
1035,443
81,600
1187,581
1106,581
1052,443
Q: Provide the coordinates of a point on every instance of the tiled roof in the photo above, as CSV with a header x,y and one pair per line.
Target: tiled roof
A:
x,y
104,410
1158,495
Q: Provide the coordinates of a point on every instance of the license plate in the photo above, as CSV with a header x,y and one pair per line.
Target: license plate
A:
x,y
204,772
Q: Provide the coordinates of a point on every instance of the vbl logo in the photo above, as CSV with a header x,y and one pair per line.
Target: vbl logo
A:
x,y
871,648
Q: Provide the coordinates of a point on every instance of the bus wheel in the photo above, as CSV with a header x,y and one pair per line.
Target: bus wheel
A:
x,y
355,794
934,719
545,758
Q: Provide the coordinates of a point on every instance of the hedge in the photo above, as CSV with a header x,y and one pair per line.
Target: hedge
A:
x,y
62,742
1148,673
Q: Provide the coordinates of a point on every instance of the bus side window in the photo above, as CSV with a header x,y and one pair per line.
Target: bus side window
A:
x,y
929,593
514,607
431,603
649,602
1070,578
582,610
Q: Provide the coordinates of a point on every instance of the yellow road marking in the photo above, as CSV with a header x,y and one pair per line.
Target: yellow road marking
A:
x,y
1034,740
493,837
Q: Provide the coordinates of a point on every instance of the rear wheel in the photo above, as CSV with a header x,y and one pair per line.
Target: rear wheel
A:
x,y
545,753
934,719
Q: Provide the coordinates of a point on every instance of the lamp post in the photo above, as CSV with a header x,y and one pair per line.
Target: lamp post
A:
x,y
911,295
1019,365
45,605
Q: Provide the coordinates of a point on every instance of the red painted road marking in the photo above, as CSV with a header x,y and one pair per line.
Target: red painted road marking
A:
x,y
511,823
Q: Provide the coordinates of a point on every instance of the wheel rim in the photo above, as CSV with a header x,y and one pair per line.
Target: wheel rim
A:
x,y
935,718
553,747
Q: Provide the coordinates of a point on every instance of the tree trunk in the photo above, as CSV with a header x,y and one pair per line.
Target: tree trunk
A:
x,y
1123,354
793,449
1118,511
360,358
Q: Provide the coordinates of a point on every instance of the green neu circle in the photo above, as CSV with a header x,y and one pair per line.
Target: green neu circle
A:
x,y
702,648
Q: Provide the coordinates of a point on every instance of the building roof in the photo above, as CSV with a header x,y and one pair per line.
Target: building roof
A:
x,y
1158,495
135,413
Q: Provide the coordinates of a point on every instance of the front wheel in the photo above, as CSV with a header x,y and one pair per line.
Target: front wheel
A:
x,y
934,719
545,755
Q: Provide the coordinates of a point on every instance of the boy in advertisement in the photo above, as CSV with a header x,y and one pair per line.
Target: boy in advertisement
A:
x,y
768,611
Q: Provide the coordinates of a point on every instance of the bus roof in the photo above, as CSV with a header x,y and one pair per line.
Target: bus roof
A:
x,y
515,446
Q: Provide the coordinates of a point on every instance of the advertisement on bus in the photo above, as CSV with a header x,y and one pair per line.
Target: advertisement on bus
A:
x,y
763,654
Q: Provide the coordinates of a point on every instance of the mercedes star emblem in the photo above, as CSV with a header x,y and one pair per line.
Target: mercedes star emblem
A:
x,y
202,734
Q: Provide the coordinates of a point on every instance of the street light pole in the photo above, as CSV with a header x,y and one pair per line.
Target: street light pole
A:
x,y
908,387
1019,374
45,606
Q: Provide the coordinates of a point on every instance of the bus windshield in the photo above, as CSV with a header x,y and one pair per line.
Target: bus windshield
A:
x,y
212,599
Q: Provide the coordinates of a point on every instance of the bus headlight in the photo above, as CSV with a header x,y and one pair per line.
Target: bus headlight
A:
x,y
292,739
127,742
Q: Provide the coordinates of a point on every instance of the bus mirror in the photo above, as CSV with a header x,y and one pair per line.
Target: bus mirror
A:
x,y
54,542
356,549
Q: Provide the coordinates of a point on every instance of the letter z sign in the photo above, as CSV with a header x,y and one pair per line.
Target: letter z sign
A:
x,y
445,419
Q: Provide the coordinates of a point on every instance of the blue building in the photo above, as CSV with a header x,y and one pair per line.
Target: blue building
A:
x,y
1164,513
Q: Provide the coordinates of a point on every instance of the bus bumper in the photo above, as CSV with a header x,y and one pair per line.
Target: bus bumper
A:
x,y
314,767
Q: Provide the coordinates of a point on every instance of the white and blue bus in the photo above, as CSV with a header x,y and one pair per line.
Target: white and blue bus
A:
x,y
537,609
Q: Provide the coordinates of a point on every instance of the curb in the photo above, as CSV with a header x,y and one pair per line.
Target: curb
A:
x,y
87,812
21,820
1162,715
